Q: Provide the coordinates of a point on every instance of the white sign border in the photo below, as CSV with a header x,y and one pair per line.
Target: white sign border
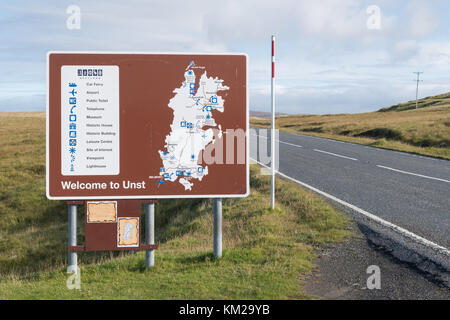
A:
x,y
47,184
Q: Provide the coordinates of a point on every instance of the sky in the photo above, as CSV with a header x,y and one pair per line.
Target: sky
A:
x,y
332,56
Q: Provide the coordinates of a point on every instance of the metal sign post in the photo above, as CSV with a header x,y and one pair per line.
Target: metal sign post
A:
x,y
149,234
72,241
272,133
218,228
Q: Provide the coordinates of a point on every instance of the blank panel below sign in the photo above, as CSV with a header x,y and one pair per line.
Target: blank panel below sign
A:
x,y
101,211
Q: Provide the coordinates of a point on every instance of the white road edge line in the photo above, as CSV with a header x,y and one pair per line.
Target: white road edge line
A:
x,y
290,144
414,174
336,155
367,214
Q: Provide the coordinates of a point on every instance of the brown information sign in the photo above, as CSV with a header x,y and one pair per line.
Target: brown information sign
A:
x,y
144,125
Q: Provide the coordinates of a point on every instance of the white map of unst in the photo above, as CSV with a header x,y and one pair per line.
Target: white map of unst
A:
x,y
192,110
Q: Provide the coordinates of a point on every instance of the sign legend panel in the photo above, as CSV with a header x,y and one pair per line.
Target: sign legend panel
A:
x,y
90,120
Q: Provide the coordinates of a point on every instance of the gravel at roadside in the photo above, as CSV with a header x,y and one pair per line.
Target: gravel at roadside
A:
x,y
341,274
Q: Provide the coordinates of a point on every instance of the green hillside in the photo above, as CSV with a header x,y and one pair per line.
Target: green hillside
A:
x,y
434,101
424,131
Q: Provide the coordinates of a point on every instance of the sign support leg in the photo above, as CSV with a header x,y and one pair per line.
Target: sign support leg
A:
x,y
149,234
72,241
218,227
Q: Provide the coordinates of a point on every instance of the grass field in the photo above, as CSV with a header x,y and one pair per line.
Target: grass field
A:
x,y
424,131
266,253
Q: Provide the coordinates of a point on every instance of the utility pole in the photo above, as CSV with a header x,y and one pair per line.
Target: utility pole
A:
x,y
417,87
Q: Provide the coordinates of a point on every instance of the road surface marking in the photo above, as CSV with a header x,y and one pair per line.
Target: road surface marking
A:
x,y
337,155
413,174
290,144
367,214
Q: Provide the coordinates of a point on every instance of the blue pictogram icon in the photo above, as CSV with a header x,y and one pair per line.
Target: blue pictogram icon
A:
x,y
192,88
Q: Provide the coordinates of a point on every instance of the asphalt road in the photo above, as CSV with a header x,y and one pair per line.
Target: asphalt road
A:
x,y
342,274
410,191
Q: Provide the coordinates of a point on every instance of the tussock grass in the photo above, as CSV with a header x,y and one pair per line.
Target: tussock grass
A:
x,y
266,252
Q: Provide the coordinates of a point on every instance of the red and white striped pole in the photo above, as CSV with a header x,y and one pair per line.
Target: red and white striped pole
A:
x,y
272,133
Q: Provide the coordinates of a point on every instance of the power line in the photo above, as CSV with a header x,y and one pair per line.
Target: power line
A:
x,y
417,87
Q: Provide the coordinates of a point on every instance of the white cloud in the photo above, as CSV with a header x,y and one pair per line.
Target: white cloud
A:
x,y
433,53
405,49
423,18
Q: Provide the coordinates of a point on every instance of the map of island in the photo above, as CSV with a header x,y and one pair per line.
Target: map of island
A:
x,y
192,110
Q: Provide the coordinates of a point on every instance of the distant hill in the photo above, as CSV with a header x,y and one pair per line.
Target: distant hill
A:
x,y
439,100
424,131
262,114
